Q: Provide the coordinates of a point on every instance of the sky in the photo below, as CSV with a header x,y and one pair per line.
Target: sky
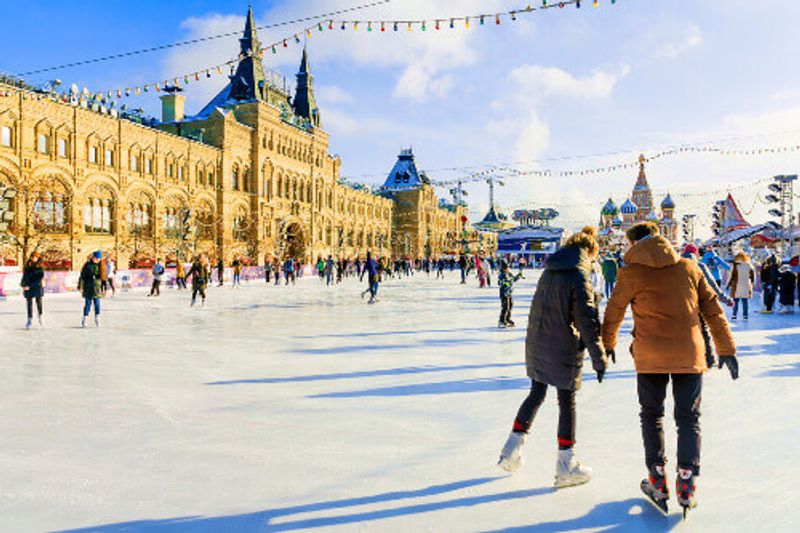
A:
x,y
562,89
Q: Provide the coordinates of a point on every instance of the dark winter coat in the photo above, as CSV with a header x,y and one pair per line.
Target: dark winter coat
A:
x,y
32,277
199,274
506,281
769,274
563,321
89,282
786,287
610,268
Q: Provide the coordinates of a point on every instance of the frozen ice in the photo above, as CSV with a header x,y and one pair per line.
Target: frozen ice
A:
x,y
304,408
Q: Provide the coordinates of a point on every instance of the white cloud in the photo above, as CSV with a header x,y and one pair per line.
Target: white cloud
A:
x,y
692,38
332,94
536,82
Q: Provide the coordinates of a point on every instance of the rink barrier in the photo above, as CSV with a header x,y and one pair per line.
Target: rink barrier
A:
x,y
60,281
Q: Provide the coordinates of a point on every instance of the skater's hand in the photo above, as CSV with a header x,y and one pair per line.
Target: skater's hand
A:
x,y
710,362
730,303
732,363
600,368
612,355
600,375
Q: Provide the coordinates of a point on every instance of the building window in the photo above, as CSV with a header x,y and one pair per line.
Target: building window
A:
x,y
240,228
134,163
172,229
211,178
235,179
139,220
170,170
93,154
97,215
148,166
5,136
109,158
180,172
43,144
50,213
62,148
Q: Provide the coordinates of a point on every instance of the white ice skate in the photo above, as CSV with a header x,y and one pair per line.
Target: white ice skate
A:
x,y
29,324
97,320
511,455
569,472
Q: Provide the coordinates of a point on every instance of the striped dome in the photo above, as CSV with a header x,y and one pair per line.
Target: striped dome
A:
x,y
610,209
628,208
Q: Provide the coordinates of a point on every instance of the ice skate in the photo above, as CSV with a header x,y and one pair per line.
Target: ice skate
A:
x,y
656,490
40,321
29,324
511,455
97,320
510,323
569,472
685,487
501,325
83,322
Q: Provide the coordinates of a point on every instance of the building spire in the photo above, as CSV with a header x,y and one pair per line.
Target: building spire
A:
x,y
642,195
304,103
249,80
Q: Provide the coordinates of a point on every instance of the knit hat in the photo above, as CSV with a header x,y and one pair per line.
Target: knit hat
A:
x,y
785,268
690,249
97,254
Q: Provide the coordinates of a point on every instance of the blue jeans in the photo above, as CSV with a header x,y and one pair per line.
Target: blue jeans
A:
x,y
745,302
87,306
609,288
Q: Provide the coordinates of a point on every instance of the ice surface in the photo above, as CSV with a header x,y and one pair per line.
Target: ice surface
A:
x,y
304,408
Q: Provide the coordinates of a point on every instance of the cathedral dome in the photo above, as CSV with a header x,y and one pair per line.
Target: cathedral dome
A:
x,y
610,209
628,208
668,203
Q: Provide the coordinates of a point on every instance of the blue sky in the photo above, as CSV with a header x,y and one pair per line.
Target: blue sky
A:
x,y
551,86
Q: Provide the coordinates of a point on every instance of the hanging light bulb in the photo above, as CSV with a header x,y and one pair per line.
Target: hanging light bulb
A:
x,y
309,34
319,26
437,25
409,27
383,26
513,15
452,24
577,4
497,19
596,3
343,27
296,39
466,22
355,25
424,28
369,26
274,51
196,76
330,24
395,26
544,4
285,44
482,20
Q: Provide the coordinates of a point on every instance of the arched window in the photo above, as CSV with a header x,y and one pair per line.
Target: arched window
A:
x,y
241,225
51,207
235,178
98,212
205,222
139,215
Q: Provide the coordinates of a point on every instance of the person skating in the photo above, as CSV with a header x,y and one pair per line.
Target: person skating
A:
x,y
221,271
668,295
741,284
158,275
237,273
288,270
769,281
462,265
562,323
787,282
610,268
506,280
89,286
111,273
180,274
330,264
267,269
33,287
320,266
371,268
715,264
199,274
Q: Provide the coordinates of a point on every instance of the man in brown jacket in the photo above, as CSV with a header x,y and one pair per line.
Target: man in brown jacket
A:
x,y
667,295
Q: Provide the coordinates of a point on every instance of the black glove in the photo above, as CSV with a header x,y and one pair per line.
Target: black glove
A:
x,y
612,355
710,362
600,374
732,364
600,368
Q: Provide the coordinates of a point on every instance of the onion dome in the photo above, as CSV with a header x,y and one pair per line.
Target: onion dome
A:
x,y
668,203
610,209
652,216
617,222
628,208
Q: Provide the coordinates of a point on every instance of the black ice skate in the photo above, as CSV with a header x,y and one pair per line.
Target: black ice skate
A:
x,y
655,488
685,487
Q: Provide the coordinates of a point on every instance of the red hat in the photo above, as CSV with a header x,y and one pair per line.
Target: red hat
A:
x,y
690,249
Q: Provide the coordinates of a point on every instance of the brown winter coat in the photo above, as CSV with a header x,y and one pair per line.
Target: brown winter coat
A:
x,y
667,295
739,287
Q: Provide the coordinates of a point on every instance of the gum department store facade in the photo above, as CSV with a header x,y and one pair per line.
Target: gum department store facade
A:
x,y
248,176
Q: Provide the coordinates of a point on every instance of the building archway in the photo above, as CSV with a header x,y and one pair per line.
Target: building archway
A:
x,y
295,241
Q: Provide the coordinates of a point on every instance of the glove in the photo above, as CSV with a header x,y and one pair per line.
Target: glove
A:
x,y
612,356
600,374
730,303
732,363
600,369
710,360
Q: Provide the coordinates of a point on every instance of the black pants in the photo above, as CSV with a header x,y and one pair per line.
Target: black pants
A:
x,y
686,393
566,413
198,289
506,304
29,302
769,297
155,290
180,282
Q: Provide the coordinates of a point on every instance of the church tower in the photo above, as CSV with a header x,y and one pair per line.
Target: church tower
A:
x,y
249,80
642,196
304,103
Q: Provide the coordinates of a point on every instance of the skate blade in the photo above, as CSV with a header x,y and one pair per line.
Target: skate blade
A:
x,y
660,505
562,483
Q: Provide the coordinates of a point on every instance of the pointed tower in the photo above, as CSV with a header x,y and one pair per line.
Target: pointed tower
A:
x,y
304,103
642,195
249,80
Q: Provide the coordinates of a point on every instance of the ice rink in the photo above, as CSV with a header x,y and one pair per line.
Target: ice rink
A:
x,y
304,408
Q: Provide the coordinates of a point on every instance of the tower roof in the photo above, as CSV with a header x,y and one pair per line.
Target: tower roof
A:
x,y
404,174
668,203
641,180
628,208
610,209
304,103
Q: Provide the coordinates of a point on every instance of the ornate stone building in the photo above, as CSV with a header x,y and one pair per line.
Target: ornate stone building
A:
x,y
249,175
639,208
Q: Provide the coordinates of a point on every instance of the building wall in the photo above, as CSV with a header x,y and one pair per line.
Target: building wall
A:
x,y
253,180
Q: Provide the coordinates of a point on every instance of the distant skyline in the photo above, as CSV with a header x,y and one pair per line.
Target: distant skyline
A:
x,y
551,86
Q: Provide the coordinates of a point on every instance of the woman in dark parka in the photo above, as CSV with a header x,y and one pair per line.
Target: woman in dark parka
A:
x,y
33,286
562,323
